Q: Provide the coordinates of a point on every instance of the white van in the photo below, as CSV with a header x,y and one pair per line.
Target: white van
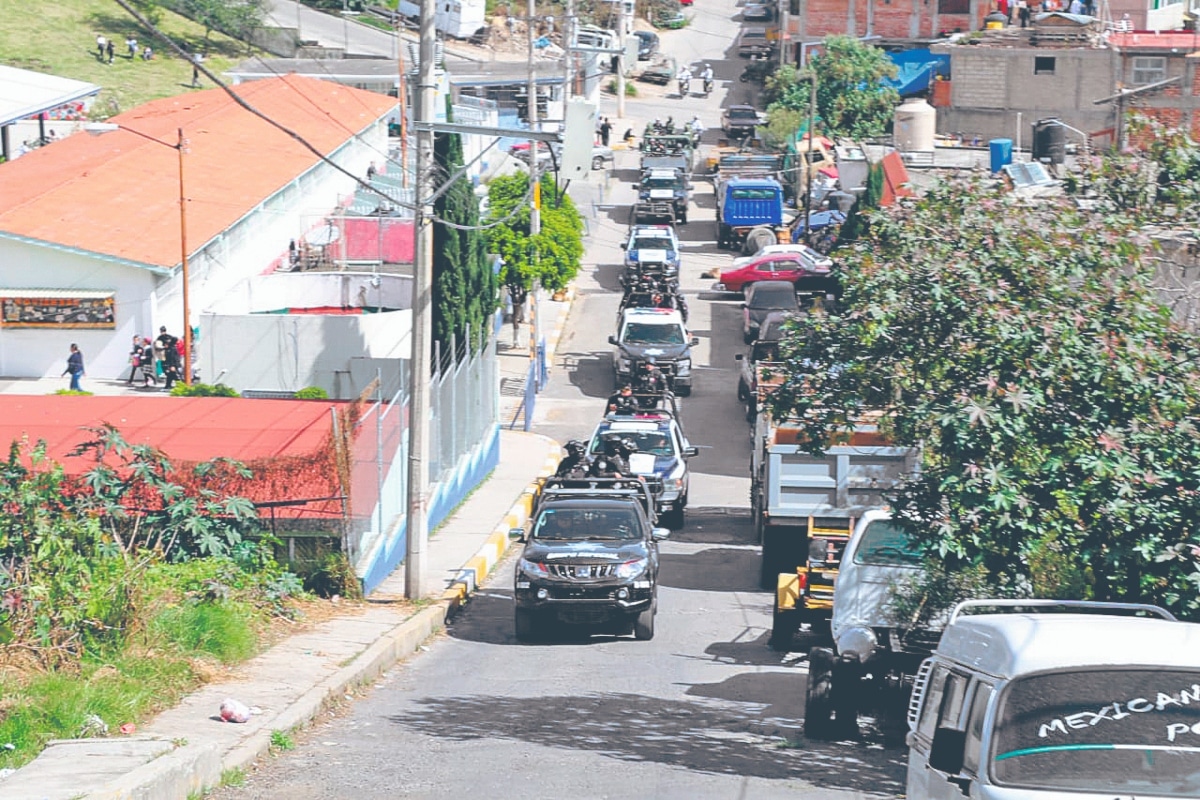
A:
x,y
1084,703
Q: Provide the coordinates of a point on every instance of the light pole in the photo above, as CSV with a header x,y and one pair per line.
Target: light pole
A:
x,y
98,128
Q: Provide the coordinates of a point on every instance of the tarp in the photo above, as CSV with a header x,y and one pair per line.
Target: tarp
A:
x,y
917,70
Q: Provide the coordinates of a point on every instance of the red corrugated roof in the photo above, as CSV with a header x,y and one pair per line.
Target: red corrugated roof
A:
x,y
118,194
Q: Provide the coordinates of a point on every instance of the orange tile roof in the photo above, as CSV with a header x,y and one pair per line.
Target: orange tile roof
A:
x,y
1186,41
118,194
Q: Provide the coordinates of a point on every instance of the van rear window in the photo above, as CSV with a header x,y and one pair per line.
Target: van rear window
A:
x,y
754,194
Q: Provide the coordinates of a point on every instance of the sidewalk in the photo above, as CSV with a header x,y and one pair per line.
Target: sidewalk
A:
x,y
187,748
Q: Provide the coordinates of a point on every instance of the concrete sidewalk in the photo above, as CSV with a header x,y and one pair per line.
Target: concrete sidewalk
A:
x,y
187,748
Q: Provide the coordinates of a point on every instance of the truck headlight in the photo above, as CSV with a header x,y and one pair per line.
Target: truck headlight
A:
x,y
858,643
673,485
623,363
631,569
683,366
533,569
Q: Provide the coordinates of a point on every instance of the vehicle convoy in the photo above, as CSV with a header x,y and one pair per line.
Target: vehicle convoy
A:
x,y
590,558
662,454
874,660
663,193
804,508
658,333
667,151
651,243
1057,700
746,205
740,121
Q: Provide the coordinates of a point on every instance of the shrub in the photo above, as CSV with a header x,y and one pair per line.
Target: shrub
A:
x,y
74,393
203,390
630,88
312,393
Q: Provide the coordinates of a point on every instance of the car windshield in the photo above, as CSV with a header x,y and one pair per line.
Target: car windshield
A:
x,y
743,113
658,183
575,524
643,333
885,543
651,243
655,443
783,297
1129,732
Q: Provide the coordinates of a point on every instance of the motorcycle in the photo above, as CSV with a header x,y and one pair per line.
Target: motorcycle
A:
x,y
708,86
685,87
756,71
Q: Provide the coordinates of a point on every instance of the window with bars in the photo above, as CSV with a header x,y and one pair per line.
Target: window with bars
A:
x,y
1149,69
1043,65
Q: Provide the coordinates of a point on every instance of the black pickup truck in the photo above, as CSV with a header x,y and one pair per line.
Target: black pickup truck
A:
x,y
590,558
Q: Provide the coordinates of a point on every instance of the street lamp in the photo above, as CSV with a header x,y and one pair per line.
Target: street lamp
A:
x,y
98,128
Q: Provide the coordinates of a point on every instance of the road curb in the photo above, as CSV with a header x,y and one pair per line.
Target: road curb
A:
x,y
560,324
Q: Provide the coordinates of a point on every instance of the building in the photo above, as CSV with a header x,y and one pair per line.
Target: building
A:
x,y
33,104
90,227
1158,76
812,20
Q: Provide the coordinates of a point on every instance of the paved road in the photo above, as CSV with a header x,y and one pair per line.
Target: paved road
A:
x,y
706,709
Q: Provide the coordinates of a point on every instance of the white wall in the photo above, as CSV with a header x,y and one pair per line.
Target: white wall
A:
x,y
281,352
41,353
264,293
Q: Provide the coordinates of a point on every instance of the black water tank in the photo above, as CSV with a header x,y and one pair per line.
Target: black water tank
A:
x,y
1049,141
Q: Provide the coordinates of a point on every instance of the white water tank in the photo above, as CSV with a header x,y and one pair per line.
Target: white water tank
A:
x,y
914,125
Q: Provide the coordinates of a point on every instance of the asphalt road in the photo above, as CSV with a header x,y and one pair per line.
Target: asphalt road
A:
x,y
705,709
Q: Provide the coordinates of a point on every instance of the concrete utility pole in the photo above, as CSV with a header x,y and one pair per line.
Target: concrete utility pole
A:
x,y
535,219
808,163
569,55
422,319
623,25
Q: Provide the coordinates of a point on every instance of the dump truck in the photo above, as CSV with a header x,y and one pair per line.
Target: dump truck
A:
x,y
749,212
805,507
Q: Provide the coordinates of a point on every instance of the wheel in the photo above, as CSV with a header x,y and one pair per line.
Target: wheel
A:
x,y
526,624
673,519
748,337
643,625
784,624
683,391
818,700
597,163
757,239
683,219
743,392
847,687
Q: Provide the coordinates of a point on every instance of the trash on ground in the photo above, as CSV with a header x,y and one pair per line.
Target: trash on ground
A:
x,y
234,711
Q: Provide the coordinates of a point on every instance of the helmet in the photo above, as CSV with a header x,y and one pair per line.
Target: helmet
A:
x,y
612,445
651,362
576,448
628,446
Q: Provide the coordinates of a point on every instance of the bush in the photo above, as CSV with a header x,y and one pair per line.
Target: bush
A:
x,y
203,390
630,88
312,393
74,393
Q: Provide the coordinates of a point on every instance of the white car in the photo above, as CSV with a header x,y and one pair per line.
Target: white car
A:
x,y
810,257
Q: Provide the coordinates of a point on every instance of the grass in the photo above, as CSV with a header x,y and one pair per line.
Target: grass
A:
x,y
282,740
58,37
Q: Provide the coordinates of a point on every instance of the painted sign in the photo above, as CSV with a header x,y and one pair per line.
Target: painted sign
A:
x,y
57,312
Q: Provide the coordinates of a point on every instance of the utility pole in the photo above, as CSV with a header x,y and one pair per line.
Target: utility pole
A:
x,y
535,219
422,320
401,96
808,164
569,57
623,24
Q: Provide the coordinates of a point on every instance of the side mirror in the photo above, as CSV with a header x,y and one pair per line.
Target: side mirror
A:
x,y
689,452
695,341
624,245
658,534
740,357
612,340
946,751
516,534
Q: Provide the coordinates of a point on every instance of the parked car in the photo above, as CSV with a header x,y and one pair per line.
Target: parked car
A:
x,y
740,121
765,349
763,298
812,258
661,70
755,42
791,267
647,44
601,155
758,12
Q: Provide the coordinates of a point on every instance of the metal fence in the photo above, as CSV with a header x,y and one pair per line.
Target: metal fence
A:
x,y
465,402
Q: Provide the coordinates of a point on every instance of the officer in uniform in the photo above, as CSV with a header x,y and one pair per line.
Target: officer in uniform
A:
x,y
575,463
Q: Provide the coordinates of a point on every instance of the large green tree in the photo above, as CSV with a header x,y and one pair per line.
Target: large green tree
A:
x,y
464,285
237,18
1022,346
852,98
551,258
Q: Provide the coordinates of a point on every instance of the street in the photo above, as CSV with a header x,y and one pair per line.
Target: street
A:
x,y
705,709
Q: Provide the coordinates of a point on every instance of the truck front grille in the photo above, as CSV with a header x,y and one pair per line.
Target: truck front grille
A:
x,y
585,571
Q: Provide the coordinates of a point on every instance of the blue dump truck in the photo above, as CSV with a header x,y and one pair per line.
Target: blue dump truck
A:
x,y
749,211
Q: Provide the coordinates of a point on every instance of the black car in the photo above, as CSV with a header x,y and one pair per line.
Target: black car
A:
x,y
758,12
647,44
590,558
762,298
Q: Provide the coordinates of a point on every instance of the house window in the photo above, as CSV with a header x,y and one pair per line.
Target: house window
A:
x,y
1149,69
954,6
1043,65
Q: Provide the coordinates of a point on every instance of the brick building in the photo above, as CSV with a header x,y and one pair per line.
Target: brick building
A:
x,y
811,20
1150,58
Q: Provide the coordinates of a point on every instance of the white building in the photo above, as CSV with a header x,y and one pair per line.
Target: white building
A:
x,y
90,226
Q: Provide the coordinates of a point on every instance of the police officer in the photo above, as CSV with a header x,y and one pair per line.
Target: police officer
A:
x,y
623,402
651,384
575,463
610,463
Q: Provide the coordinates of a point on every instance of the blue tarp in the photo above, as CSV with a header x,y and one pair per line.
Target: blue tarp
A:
x,y
917,70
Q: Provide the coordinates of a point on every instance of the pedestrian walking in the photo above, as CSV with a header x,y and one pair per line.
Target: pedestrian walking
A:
x,y
148,366
160,350
110,50
519,295
131,44
75,368
135,358
197,59
101,44
605,131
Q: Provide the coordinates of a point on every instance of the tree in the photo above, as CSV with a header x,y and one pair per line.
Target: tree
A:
x,y
551,258
464,286
852,99
237,18
1023,348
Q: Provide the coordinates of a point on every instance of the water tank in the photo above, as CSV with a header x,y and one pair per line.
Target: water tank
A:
x,y
914,125
1001,153
1049,141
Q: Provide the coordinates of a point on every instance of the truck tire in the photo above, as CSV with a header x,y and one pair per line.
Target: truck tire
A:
x,y
643,624
673,519
526,625
784,625
597,162
722,236
818,695
757,239
683,391
847,688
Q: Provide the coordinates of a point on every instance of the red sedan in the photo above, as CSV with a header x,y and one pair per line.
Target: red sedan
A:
x,y
807,274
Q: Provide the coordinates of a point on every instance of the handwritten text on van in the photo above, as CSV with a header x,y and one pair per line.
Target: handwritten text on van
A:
x,y
1119,711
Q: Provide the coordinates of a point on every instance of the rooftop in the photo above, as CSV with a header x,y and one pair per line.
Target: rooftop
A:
x,y
117,195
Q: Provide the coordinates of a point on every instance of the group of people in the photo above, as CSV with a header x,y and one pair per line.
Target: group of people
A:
x,y
684,76
106,49
1024,10
648,291
162,357
611,462
644,392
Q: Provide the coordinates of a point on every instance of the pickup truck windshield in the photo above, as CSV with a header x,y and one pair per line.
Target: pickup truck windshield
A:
x,y
659,183
576,524
642,333
742,114
651,243
1114,732
653,442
